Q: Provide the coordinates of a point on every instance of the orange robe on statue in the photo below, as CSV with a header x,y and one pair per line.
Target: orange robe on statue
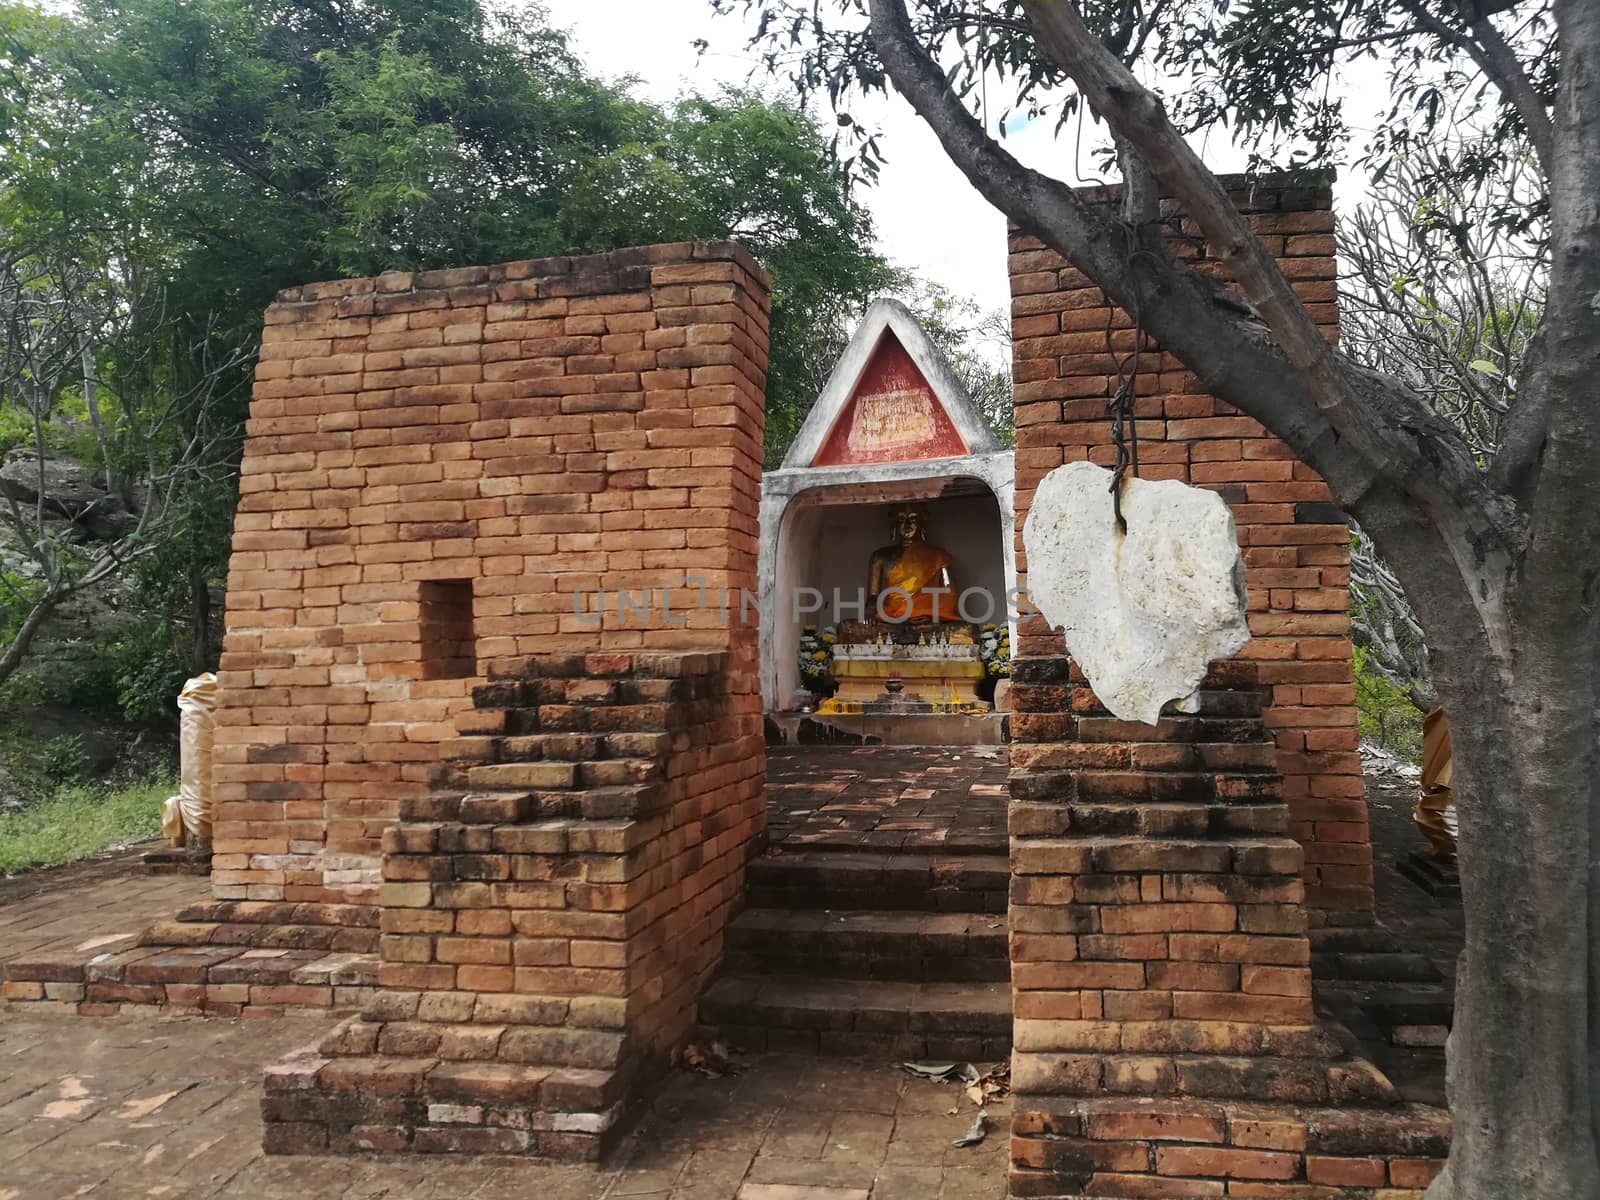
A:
x,y
919,566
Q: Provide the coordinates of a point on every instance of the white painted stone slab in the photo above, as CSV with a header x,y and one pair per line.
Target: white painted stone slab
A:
x,y
1143,613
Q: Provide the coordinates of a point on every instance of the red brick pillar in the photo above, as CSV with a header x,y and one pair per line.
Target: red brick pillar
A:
x,y
1068,343
486,666
1165,1039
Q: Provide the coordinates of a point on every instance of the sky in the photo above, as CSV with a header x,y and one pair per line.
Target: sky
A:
x,y
929,218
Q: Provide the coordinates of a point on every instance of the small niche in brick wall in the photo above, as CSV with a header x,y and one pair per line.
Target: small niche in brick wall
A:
x,y
449,648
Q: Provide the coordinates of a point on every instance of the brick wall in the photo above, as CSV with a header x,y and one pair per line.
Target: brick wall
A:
x,y
550,915
494,437
1166,1043
1068,343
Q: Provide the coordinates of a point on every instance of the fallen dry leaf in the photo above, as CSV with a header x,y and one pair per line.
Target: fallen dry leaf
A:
x,y
710,1060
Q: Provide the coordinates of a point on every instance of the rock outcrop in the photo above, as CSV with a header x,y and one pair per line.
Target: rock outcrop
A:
x,y
72,492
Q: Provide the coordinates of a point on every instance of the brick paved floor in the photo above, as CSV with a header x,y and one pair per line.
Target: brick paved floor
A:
x,y
147,1107
96,906
884,797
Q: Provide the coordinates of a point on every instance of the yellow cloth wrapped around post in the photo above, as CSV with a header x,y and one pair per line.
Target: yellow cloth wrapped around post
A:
x,y
1435,811
186,817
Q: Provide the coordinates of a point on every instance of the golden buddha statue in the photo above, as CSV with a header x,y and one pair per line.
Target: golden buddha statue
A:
x,y
899,576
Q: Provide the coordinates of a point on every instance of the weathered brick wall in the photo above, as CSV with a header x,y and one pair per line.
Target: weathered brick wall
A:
x,y
463,450
1068,343
550,915
1166,1043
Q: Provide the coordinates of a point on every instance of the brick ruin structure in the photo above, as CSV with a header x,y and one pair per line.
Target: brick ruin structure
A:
x,y
1069,343
470,467
1169,881
491,769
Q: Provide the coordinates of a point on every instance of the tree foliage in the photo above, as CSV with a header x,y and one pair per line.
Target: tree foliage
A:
x,y
209,153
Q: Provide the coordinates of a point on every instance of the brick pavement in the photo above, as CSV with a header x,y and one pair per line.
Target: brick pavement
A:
x,y
89,907
144,1107
881,797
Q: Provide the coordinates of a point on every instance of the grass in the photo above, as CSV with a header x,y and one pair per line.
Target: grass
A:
x,y
79,820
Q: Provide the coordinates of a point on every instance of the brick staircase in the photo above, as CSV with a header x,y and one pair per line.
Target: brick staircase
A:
x,y
893,949
548,916
217,958
1392,999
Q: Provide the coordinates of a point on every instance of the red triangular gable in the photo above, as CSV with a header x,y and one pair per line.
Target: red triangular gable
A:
x,y
892,416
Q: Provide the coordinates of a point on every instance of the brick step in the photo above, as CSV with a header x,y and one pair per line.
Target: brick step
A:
x,y
1104,854
1207,820
431,1105
1418,1017
280,912
556,773
1358,939
902,841
517,806
1071,1148
256,936
1153,787
1396,966
1438,879
599,717
580,747
544,1044
1205,1076
850,1017
1411,1006
908,946
175,860
213,979
833,879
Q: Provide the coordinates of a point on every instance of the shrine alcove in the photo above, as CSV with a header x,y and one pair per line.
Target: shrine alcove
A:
x,y
894,482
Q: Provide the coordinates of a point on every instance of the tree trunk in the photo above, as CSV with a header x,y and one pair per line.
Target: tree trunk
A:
x,y
200,616
1525,1052
16,653
1521,1082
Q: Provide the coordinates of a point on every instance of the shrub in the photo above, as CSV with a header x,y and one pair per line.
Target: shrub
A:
x,y
1385,715
63,759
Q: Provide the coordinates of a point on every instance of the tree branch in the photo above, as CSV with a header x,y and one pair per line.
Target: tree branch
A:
x,y
1194,316
1390,428
1141,193
1497,60
14,654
